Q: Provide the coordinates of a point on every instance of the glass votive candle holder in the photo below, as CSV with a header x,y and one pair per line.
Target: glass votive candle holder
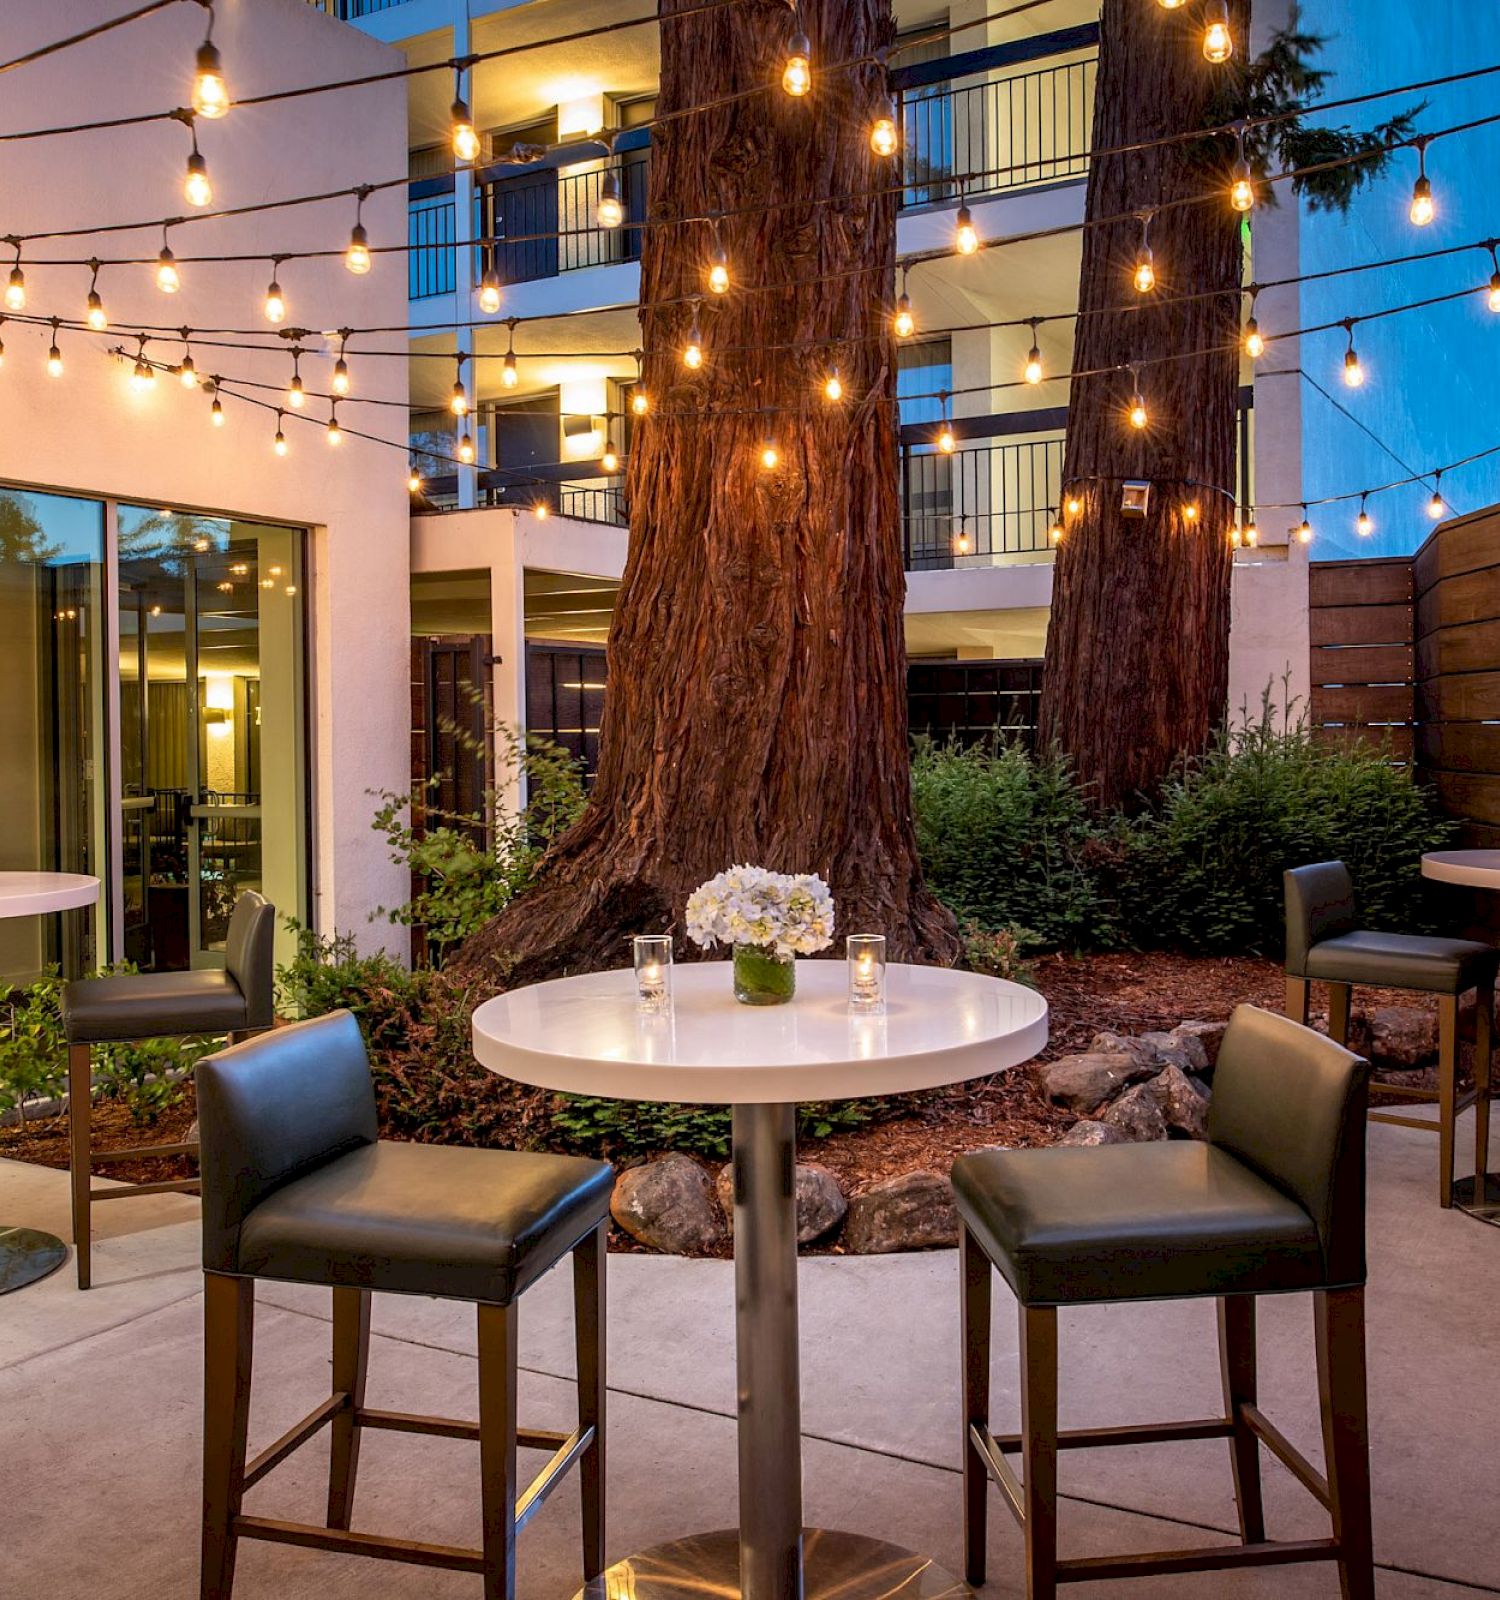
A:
x,y
866,958
653,971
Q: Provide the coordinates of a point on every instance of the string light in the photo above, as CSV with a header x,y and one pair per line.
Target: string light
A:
x,y
1218,41
769,455
610,460
796,75
1138,414
903,324
1435,506
1242,183
718,272
1423,207
509,374
1144,276
962,545
333,432
1252,533
414,482
1075,504
1235,537
278,444
466,449
296,395
216,412
1171,5
458,398
144,374
610,212
640,401
1304,532
965,234
54,355
1354,373
95,315
210,92
541,511
1033,372
945,440
15,288
187,370
357,256
1362,523
274,305
1493,298
1055,531
833,386
1254,343
692,351
340,383
489,291
1190,511
196,189
461,125
168,279
884,139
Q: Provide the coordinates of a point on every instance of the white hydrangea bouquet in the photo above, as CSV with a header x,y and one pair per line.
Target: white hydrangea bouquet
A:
x,y
768,919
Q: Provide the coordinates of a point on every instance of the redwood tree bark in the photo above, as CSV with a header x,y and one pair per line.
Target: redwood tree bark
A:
x,y
1138,643
757,672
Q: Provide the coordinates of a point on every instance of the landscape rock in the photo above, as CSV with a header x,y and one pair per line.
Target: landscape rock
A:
x,y
1209,1034
668,1204
1090,1132
1183,1102
1403,1038
1081,1083
821,1205
912,1212
1178,1049
1137,1114
1124,1044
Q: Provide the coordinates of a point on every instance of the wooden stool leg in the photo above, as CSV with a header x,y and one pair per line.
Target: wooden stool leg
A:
x,y
976,1280
1447,1093
589,1332
351,1359
1339,997
1039,1448
80,1144
228,1341
1237,1364
1484,1041
497,1448
1340,1330
1297,999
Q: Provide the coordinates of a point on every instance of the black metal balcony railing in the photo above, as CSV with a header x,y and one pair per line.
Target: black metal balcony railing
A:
x,y
967,508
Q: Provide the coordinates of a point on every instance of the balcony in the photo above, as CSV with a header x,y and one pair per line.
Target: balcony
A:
x,y
971,123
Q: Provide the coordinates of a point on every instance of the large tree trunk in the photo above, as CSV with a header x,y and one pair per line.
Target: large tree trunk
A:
x,y
1138,643
757,672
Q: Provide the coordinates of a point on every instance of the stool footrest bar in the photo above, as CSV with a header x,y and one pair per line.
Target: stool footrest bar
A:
x,y
541,1486
345,1542
298,1434
1130,1433
453,1428
131,1190
1288,1455
1207,1558
999,1469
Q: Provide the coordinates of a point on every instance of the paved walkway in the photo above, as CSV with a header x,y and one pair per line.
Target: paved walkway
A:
x,y
99,1414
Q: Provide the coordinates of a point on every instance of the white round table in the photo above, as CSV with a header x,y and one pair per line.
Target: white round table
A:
x,y
586,1035
27,1254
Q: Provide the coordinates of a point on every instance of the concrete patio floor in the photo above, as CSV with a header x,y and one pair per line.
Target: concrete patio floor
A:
x,y
99,1413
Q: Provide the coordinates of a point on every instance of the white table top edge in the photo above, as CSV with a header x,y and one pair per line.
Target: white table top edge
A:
x,y
31,894
1479,869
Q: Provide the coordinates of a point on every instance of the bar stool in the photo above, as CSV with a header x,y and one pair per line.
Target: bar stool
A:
x,y
296,1187
1272,1203
1323,942
234,1000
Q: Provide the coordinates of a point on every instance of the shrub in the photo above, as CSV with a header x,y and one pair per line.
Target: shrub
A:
x,y
1007,842
998,954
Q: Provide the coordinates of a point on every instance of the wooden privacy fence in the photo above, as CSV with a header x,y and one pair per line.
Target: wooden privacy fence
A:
x,y
1360,627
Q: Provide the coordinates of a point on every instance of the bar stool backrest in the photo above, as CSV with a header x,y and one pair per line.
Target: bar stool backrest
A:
x,y
1319,905
1290,1104
248,958
273,1109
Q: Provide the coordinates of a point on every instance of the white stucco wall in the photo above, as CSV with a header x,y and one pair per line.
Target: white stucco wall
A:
x,y
90,433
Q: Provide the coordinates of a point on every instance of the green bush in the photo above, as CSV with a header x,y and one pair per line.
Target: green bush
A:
x,y
1007,841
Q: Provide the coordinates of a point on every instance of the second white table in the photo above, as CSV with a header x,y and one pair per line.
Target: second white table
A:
x,y
585,1035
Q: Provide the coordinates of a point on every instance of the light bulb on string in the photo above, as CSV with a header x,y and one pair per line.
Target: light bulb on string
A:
x,y
1492,297
1189,511
357,256
1363,524
541,511
340,383
466,449
610,460
1354,373
143,375
187,370
274,304
458,396
692,351
296,395
885,140
15,288
1242,181
1236,538
963,545
278,444
1304,530
54,355
1254,339
168,279
461,131
1074,504
965,234
216,412
1423,207
1144,275
509,373
903,324
1138,414
769,455
333,432
1171,5
640,401
489,291
95,315
718,272
210,95
610,212
945,440
796,75
1055,531
833,386
1033,370
1218,40
196,188
1252,532
1436,506
414,482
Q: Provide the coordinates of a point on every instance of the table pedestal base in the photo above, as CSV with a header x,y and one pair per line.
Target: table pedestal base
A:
x,y
843,1565
1479,1200
27,1254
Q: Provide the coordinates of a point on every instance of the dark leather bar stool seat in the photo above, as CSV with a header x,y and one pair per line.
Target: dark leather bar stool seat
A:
x,y
1272,1203
297,1187
159,1005
1323,944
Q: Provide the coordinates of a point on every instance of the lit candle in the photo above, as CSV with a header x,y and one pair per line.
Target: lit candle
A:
x,y
653,970
866,956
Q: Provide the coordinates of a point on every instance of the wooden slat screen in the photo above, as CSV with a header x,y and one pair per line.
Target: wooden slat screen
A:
x,y
1363,660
